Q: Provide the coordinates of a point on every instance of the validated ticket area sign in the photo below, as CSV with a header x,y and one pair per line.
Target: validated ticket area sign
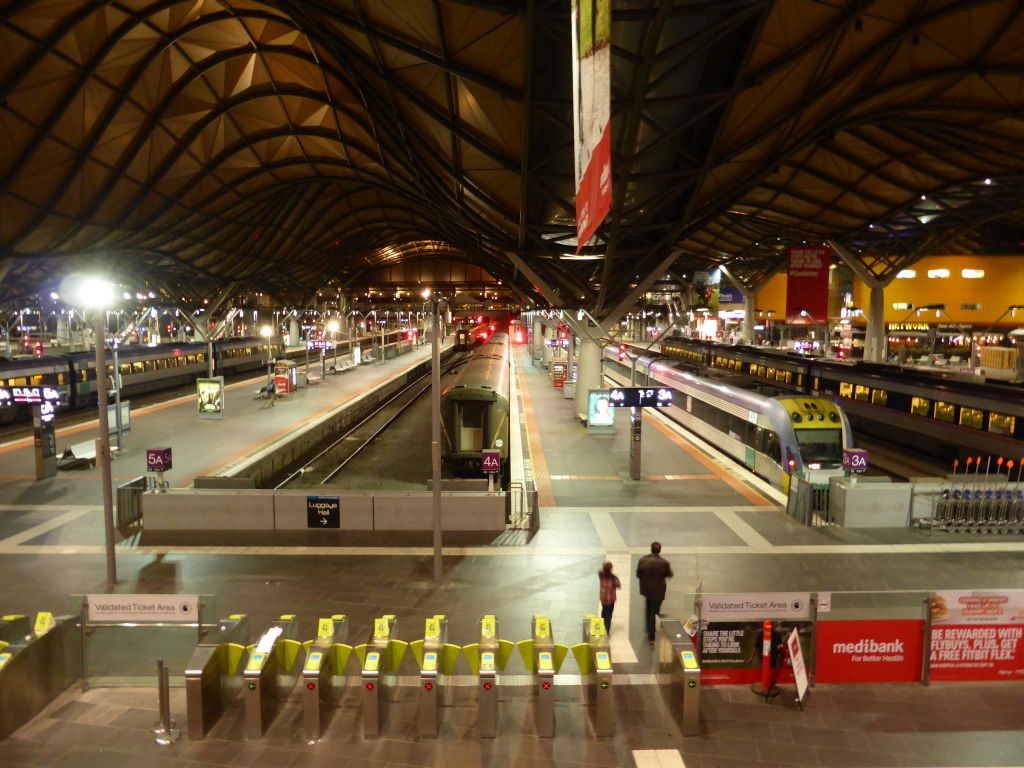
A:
x,y
142,608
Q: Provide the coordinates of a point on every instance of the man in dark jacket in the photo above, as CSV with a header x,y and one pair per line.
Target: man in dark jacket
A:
x,y
652,570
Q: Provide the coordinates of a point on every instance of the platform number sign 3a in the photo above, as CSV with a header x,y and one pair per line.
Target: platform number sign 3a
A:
x,y
490,461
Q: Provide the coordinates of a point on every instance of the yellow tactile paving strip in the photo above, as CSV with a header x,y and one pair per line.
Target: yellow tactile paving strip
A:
x,y
545,495
654,478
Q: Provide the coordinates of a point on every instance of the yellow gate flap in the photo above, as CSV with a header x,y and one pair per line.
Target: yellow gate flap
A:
x,y
396,650
582,653
449,657
340,654
472,654
416,646
559,652
505,648
526,651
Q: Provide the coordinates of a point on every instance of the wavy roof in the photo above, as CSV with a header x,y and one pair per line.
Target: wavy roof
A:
x,y
286,143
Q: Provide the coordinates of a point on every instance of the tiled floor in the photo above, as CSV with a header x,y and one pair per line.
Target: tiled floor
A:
x,y
714,532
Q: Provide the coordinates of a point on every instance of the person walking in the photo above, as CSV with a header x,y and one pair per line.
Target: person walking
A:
x,y
272,392
651,572
609,583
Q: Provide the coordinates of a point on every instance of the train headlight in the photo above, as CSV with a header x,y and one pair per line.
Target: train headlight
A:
x,y
833,417
821,417
797,418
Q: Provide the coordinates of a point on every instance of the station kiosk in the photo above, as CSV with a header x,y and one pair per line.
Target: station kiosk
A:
x,y
543,657
270,674
323,674
380,659
486,659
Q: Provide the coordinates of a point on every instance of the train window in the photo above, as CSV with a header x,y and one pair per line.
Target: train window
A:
x,y
151,365
110,371
125,368
138,368
760,370
879,397
845,389
1001,423
944,411
789,377
201,357
191,359
920,406
60,379
37,380
971,417
772,448
83,375
817,384
862,393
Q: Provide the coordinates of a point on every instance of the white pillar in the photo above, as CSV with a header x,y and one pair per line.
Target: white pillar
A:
x,y
748,317
874,336
550,332
293,331
538,340
589,374
63,334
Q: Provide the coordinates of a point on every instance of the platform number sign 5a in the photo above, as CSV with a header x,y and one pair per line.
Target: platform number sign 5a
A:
x,y
855,460
490,461
158,459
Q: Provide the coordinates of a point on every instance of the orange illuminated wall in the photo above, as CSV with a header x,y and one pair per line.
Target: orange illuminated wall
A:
x,y
1001,286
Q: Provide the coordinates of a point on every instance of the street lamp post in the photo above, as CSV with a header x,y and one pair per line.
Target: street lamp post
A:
x,y
333,326
435,435
267,332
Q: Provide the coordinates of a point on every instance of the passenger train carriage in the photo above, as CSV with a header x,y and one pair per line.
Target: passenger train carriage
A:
x,y
474,410
939,415
772,436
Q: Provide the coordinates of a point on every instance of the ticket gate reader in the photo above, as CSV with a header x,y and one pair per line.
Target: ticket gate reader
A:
x,y
323,674
269,674
593,657
486,658
436,659
211,678
544,658
678,657
380,659
38,664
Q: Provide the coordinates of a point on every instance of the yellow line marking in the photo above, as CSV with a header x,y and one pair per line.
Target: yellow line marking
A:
x,y
545,495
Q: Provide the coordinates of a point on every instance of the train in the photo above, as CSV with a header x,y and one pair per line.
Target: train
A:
x,y
142,369
475,411
773,436
941,416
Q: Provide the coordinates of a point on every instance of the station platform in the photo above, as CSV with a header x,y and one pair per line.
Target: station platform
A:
x,y
721,531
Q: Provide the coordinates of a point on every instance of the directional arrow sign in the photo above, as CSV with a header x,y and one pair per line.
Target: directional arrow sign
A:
x,y
323,512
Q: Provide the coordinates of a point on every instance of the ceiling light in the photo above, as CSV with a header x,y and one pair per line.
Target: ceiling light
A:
x,y
938,273
906,274
972,274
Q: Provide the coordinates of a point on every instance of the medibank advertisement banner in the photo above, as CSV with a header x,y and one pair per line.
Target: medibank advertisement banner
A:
x,y
807,284
591,48
977,635
869,651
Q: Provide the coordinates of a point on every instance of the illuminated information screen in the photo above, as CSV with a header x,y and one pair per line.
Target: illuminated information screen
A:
x,y
640,397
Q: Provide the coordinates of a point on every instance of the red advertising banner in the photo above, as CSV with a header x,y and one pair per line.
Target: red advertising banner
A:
x,y
869,651
730,654
807,285
591,47
977,635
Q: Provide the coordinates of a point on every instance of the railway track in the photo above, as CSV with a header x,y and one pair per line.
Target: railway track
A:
x,y
331,460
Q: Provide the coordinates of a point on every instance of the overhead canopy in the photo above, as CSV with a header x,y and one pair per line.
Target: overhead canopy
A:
x,y
285,144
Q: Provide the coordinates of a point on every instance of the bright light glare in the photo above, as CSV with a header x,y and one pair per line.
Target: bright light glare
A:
x,y
333,326
126,296
89,291
266,331
425,293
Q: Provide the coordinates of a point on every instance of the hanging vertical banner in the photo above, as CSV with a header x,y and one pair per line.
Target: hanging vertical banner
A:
x,y
591,63
807,285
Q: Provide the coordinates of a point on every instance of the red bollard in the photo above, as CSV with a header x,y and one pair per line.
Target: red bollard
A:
x,y
766,657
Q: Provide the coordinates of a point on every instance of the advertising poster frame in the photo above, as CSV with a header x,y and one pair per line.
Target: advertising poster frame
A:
x,y
976,635
210,397
600,414
869,651
807,270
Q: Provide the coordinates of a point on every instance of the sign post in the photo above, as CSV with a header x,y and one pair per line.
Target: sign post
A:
x,y
159,460
635,432
636,399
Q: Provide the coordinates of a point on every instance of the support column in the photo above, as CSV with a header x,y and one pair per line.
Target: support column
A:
x,y
589,375
748,317
63,332
293,331
874,335
538,341
550,333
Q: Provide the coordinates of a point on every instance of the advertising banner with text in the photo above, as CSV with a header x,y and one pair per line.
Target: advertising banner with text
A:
x,y
730,653
591,49
977,635
884,651
807,285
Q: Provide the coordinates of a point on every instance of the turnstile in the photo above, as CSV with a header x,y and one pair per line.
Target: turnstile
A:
x,y
486,658
593,656
544,658
678,657
269,674
37,664
436,659
211,677
323,674
380,659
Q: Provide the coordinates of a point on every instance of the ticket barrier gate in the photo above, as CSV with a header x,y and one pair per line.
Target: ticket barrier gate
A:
x,y
436,659
380,659
211,677
678,657
543,657
486,658
269,674
593,657
37,663
324,673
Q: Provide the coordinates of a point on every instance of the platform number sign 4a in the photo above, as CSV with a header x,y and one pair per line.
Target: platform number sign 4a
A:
x,y
490,461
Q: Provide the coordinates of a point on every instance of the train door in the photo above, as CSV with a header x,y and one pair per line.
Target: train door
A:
x,y
471,426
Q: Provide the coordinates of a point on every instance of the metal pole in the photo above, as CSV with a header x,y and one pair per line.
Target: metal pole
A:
x,y
435,445
209,357
117,396
103,446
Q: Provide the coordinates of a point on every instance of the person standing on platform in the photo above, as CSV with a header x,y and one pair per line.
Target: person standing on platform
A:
x,y
651,571
272,393
609,583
